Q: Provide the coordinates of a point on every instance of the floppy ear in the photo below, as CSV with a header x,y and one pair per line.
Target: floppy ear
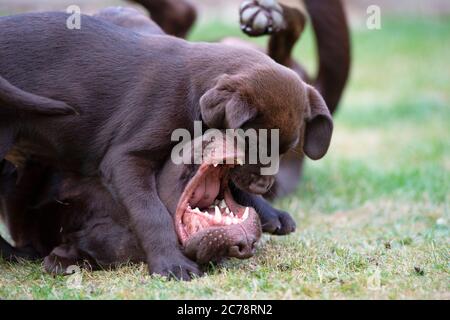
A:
x,y
222,107
319,126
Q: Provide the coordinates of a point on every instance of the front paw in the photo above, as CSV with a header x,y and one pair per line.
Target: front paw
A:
x,y
277,222
259,17
175,267
60,260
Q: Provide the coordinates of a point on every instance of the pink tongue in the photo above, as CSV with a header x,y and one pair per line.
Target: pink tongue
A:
x,y
207,191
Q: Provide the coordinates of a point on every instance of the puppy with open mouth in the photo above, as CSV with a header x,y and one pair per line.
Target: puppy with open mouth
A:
x,y
77,222
128,92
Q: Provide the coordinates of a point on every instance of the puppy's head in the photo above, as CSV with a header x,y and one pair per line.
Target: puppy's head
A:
x,y
268,97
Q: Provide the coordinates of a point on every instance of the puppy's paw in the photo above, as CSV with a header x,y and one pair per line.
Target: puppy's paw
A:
x,y
58,265
62,259
176,267
260,17
277,222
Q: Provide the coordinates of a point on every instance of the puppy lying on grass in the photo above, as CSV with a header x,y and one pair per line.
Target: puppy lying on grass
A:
x,y
75,221
129,92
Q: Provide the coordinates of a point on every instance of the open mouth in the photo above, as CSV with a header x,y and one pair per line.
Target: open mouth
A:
x,y
207,202
210,224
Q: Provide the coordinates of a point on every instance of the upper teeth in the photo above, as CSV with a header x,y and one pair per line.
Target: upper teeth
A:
x,y
217,215
197,210
245,215
230,218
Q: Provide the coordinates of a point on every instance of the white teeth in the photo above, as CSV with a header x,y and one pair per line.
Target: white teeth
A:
x,y
215,164
245,215
217,215
228,221
227,211
197,210
222,204
235,220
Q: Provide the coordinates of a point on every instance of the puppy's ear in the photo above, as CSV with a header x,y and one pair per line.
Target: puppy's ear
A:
x,y
222,107
319,126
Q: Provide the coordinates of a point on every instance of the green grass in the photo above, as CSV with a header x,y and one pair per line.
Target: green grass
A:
x,y
373,216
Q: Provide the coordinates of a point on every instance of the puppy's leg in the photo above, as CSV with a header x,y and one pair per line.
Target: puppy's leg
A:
x,y
133,182
273,221
283,41
330,29
175,17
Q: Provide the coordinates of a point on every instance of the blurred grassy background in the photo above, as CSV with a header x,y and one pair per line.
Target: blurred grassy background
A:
x,y
373,216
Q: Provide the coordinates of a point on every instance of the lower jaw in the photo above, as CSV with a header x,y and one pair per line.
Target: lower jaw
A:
x,y
223,212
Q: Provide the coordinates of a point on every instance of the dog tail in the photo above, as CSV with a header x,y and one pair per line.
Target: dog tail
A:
x,y
14,100
333,43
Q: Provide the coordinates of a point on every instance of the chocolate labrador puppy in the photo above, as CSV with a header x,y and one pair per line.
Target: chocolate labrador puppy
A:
x,y
284,21
130,92
73,220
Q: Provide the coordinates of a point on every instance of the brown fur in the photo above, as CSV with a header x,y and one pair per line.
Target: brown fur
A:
x,y
333,47
127,114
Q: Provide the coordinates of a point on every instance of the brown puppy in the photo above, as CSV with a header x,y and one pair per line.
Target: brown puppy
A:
x,y
131,92
333,46
284,21
73,220
330,28
273,221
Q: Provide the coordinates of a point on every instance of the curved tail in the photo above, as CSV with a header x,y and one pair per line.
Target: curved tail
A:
x,y
16,101
333,46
